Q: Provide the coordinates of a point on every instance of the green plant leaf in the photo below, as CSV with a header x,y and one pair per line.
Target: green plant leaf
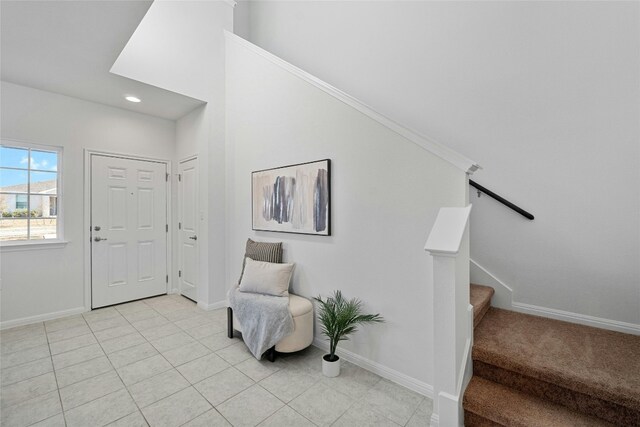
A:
x,y
340,318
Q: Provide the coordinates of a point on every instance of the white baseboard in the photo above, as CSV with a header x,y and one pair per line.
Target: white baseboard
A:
x,y
450,408
41,317
213,306
385,372
435,420
582,319
174,291
504,299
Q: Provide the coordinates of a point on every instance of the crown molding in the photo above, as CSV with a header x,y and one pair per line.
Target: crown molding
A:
x,y
429,144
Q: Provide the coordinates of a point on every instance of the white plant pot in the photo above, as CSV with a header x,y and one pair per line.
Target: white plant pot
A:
x,y
330,369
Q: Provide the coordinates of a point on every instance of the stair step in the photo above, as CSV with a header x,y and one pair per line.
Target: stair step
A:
x,y
490,404
576,401
480,299
590,369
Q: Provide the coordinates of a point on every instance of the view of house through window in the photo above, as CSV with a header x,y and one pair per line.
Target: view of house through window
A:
x,y
28,193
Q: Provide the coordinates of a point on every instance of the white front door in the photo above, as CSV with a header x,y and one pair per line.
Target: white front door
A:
x,y
188,228
128,229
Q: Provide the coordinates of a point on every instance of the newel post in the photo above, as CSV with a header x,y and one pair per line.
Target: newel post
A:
x,y
448,244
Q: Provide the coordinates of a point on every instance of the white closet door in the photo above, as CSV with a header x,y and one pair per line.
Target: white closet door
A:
x,y
188,228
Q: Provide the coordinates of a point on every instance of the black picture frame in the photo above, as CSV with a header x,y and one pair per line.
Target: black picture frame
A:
x,y
273,214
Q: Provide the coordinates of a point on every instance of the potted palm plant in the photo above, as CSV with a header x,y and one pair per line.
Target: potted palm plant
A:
x,y
340,318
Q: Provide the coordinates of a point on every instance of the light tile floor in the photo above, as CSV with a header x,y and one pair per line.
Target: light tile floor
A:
x,y
165,362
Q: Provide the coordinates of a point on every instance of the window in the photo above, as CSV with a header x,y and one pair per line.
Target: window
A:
x,y
29,192
21,201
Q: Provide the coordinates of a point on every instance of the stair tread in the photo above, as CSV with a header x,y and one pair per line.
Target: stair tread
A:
x,y
597,362
509,407
480,299
573,400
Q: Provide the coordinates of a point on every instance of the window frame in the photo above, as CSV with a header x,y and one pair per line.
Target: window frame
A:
x,y
39,243
26,200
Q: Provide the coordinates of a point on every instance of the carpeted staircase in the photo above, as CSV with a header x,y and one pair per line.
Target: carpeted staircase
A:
x,y
535,371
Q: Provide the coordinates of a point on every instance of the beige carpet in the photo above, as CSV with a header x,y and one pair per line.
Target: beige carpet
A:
x,y
510,407
480,299
538,366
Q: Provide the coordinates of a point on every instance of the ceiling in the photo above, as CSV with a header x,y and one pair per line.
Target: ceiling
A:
x,y
68,47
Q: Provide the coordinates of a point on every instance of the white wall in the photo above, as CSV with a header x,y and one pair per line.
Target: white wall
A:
x,y
171,46
191,133
386,192
179,46
544,95
43,281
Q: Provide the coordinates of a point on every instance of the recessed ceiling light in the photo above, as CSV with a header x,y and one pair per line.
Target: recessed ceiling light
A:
x,y
132,99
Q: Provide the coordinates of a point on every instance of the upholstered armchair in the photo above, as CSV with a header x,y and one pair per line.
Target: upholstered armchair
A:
x,y
300,308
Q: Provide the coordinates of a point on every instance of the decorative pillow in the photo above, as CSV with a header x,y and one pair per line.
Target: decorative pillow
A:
x,y
262,251
266,278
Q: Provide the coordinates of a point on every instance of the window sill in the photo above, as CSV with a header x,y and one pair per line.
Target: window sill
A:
x,y
32,246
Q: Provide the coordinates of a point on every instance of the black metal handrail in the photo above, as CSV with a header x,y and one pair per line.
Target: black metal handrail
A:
x,y
501,200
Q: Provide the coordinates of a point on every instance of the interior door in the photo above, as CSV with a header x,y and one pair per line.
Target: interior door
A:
x,y
188,228
128,229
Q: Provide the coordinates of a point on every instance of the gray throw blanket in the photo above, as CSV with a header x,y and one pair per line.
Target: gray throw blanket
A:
x,y
265,319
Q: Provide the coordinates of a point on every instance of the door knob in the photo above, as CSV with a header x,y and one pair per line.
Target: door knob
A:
x,y
193,237
98,239
96,228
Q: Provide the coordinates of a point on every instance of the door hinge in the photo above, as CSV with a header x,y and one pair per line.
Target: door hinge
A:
x,y
167,278
179,273
166,177
167,227
179,226
179,177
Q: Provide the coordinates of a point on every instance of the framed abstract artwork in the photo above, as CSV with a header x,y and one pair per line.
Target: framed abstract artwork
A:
x,y
293,199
